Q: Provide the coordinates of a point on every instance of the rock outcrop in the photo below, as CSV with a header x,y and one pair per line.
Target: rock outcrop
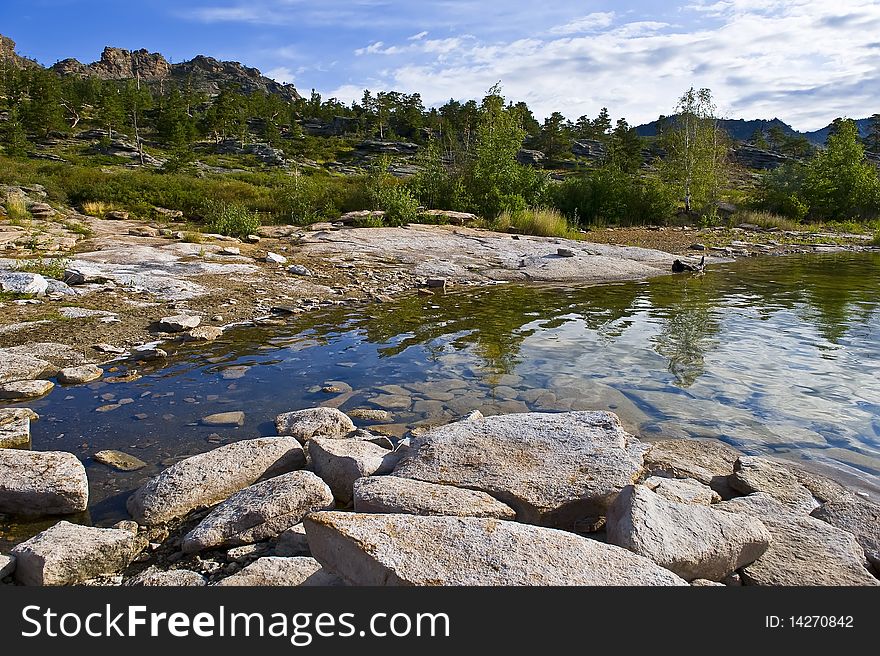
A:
x,y
368,549
201,74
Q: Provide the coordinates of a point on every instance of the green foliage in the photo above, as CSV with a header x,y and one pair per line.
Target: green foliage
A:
x,y
15,141
233,219
837,183
400,205
696,149
555,137
609,195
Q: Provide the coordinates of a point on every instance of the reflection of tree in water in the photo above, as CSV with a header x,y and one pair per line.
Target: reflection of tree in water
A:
x,y
492,322
689,330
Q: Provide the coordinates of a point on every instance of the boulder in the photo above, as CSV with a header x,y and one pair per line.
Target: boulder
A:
x,y
857,516
382,549
35,483
15,428
260,512
204,479
25,389
278,571
235,418
177,578
203,334
119,460
275,258
18,366
552,469
67,553
78,375
179,323
391,494
689,539
7,566
369,414
753,474
20,282
341,462
708,461
803,550
311,422
683,490
292,542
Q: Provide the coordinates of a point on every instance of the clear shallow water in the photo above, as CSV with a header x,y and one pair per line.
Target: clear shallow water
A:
x,y
773,355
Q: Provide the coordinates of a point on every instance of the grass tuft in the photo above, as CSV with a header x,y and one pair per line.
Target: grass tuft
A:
x,y
541,222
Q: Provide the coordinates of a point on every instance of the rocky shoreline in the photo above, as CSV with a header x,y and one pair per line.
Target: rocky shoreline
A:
x,y
520,499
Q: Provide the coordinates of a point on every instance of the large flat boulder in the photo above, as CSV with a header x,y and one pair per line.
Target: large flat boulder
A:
x,y
260,512
857,516
383,549
204,479
689,539
279,571
552,469
19,366
803,550
67,553
314,422
392,494
754,474
341,462
35,483
21,282
20,390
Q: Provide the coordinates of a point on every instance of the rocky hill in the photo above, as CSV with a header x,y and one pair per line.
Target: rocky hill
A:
x,y
205,74
8,54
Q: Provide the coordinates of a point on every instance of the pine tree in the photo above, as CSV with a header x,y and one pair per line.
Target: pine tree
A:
x,y
15,141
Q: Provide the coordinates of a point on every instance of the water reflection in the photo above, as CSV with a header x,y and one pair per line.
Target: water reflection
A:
x,y
773,355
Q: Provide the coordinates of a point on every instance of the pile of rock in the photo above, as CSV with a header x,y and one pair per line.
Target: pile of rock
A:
x,y
520,499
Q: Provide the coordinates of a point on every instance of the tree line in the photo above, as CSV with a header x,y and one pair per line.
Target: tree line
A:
x,y
468,155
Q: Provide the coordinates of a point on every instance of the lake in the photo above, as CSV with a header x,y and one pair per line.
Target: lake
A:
x,y
774,355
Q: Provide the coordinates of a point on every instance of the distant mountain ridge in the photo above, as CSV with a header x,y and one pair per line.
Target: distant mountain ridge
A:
x,y
742,130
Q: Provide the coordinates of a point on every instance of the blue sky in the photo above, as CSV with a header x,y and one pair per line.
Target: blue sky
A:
x,y
805,61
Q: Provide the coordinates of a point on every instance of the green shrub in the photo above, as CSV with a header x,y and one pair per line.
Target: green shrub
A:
x,y
231,219
400,205
608,195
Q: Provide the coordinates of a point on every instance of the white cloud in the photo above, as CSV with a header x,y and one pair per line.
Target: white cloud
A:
x,y
588,23
416,37
281,74
806,61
